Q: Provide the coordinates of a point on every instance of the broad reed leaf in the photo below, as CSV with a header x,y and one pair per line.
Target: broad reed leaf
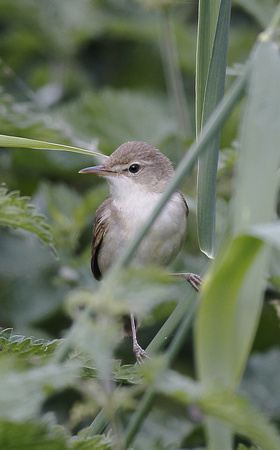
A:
x,y
233,291
212,80
257,180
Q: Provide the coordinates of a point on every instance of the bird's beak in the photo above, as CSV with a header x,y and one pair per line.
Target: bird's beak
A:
x,y
97,170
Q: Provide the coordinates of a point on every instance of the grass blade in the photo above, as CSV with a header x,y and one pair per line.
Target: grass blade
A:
x,y
173,74
214,123
19,142
208,163
205,38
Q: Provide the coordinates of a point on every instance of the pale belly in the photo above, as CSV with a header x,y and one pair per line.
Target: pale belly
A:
x,y
159,247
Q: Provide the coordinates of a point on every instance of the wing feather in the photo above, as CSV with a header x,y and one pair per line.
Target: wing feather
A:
x,y
100,227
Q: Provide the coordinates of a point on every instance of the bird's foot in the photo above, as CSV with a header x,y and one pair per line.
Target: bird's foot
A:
x,y
194,279
139,353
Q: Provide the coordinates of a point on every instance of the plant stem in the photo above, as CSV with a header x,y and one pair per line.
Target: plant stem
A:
x,y
148,398
213,124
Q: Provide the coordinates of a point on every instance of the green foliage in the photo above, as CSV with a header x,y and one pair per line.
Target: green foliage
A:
x,y
20,346
92,75
10,141
261,10
30,434
16,212
154,120
222,404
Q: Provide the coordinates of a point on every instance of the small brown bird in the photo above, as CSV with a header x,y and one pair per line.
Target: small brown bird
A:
x,y
137,174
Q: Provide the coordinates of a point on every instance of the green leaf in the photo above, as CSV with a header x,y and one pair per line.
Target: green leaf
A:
x,y
23,392
261,383
90,443
261,10
232,294
19,142
217,321
257,180
69,212
38,435
242,417
217,325
25,346
16,212
120,116
208,163
259,142
207,23
267,232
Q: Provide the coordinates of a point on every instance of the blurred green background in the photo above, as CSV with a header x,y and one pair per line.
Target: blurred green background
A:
x,y
93,74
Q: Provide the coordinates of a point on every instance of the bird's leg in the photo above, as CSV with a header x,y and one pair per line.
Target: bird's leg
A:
x,y
194,279
138,351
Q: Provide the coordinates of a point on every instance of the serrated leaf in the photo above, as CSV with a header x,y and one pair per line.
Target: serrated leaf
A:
x,y
90,443
25,346
128,374
39,435
222,404
120,116
17,212
68,211
23,392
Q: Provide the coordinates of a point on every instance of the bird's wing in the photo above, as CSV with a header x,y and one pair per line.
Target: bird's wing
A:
x,y
186,205
100,226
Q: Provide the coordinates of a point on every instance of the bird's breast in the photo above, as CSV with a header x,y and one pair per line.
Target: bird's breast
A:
x,y
163,241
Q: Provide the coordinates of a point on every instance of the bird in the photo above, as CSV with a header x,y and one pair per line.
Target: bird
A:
x,y
137,174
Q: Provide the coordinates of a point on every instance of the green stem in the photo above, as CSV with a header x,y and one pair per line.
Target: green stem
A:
x,y
161,339
148,398
218,117
213,124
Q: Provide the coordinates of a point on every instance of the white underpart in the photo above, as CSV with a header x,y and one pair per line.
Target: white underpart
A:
x,y
134,205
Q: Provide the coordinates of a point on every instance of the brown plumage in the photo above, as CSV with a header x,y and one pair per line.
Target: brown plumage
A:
x,y
137,174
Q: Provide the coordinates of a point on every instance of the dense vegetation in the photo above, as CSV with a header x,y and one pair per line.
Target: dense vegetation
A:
x,y
91,75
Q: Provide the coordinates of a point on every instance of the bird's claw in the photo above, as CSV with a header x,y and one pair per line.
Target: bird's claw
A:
x,y
139,353
194,280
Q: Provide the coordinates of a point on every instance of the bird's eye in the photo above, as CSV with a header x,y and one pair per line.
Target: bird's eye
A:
x,y
134,168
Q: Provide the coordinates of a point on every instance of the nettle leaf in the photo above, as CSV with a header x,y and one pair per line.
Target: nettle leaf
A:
x,y
17,212
260,10
82,442
23,392
261,382
68,211
242,416
25,346
119,116
36,435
